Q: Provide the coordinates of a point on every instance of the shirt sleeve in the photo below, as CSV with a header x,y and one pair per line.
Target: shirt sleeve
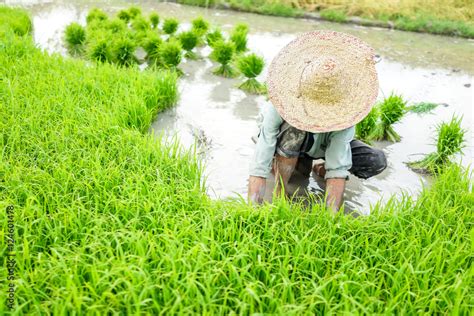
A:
x,y
338,157
261,164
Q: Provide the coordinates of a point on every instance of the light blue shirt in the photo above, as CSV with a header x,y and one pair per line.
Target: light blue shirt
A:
x,y
334,147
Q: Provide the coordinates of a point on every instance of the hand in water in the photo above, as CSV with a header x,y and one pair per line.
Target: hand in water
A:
x,y
256,190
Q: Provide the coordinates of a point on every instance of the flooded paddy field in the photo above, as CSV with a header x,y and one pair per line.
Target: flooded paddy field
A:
x,y
221,119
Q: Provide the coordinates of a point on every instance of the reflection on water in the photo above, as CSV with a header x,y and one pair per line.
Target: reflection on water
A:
x,y
221,118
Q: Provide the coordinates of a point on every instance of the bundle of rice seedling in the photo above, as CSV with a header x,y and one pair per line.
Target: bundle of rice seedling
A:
x,y
239,37
223,53
422,107
214,37
96,15
123,52
188,41
251,66
200,28
140,24
116,25
367,126
154,20
170,26
75,36
170,55
392,110
134,12
451,141
151,44
124,15
99,49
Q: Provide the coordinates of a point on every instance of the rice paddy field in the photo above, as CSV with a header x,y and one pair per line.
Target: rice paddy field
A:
x,y
105,217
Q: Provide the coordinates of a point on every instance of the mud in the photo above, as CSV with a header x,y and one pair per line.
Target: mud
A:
x,y
220,119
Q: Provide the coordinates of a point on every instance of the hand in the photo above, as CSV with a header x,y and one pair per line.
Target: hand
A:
x,y
256,190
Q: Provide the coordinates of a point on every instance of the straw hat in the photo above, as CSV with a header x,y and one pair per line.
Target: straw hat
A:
x,y
323,81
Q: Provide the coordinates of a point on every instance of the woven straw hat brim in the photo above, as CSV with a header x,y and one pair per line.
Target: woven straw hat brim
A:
x,y
354,60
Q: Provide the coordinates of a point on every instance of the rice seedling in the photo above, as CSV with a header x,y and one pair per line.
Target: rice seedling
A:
x,y
123,51
450,141
170,54
75,36
188,42
151,44
251,66
96,14
170,26
124,15
140,24
223,53
391,110
239,37
200,26
154,20
422,107
17,20
134,12
116,25
99,49
214,37
366,127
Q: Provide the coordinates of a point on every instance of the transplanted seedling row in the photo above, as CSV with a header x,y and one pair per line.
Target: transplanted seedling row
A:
x,y
118,39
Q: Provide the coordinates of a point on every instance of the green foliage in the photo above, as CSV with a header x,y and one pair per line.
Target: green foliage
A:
x,y
96,14
151,44
140,24
188,41
75,35
333,15
200,26
170,26
123,52
154,19
451,141
391,111
124,15
16,20
239,37
214,37
422,107
250,65
116,25
134,12
223,53
365,128
99,49
171,54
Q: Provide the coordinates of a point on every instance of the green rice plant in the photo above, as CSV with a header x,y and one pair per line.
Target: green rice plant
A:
x,y
123,51
16,19
223,53
251,66
154,19
151,44
124,15
365,128
140,24
116,25
450,141
239,37
214,37
170,54
170,26
188,42
134,12
333,15
200,26
99,49
422,107
97,15
391,110
75,36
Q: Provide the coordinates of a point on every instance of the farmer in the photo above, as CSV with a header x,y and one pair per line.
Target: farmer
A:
x,y
321,84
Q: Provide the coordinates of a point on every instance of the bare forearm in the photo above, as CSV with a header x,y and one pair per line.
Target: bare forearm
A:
x,y
256,190
335,193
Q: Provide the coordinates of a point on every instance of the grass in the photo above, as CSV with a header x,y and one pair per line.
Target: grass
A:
x,y
451,140
251,66
446,17
110,220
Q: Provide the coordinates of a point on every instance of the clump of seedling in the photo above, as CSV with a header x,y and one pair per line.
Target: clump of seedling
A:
x,y
96,15
251,66
391,111
170,26
151,44
124,15
450,141
188,41
223,53
239,37
200,28
140,24
99,50
213,37
75,36
116,26
123,51
134,12
170,55
422,107
154,20
365,128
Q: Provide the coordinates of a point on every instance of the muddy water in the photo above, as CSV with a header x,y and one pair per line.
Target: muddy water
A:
x,y
220,119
